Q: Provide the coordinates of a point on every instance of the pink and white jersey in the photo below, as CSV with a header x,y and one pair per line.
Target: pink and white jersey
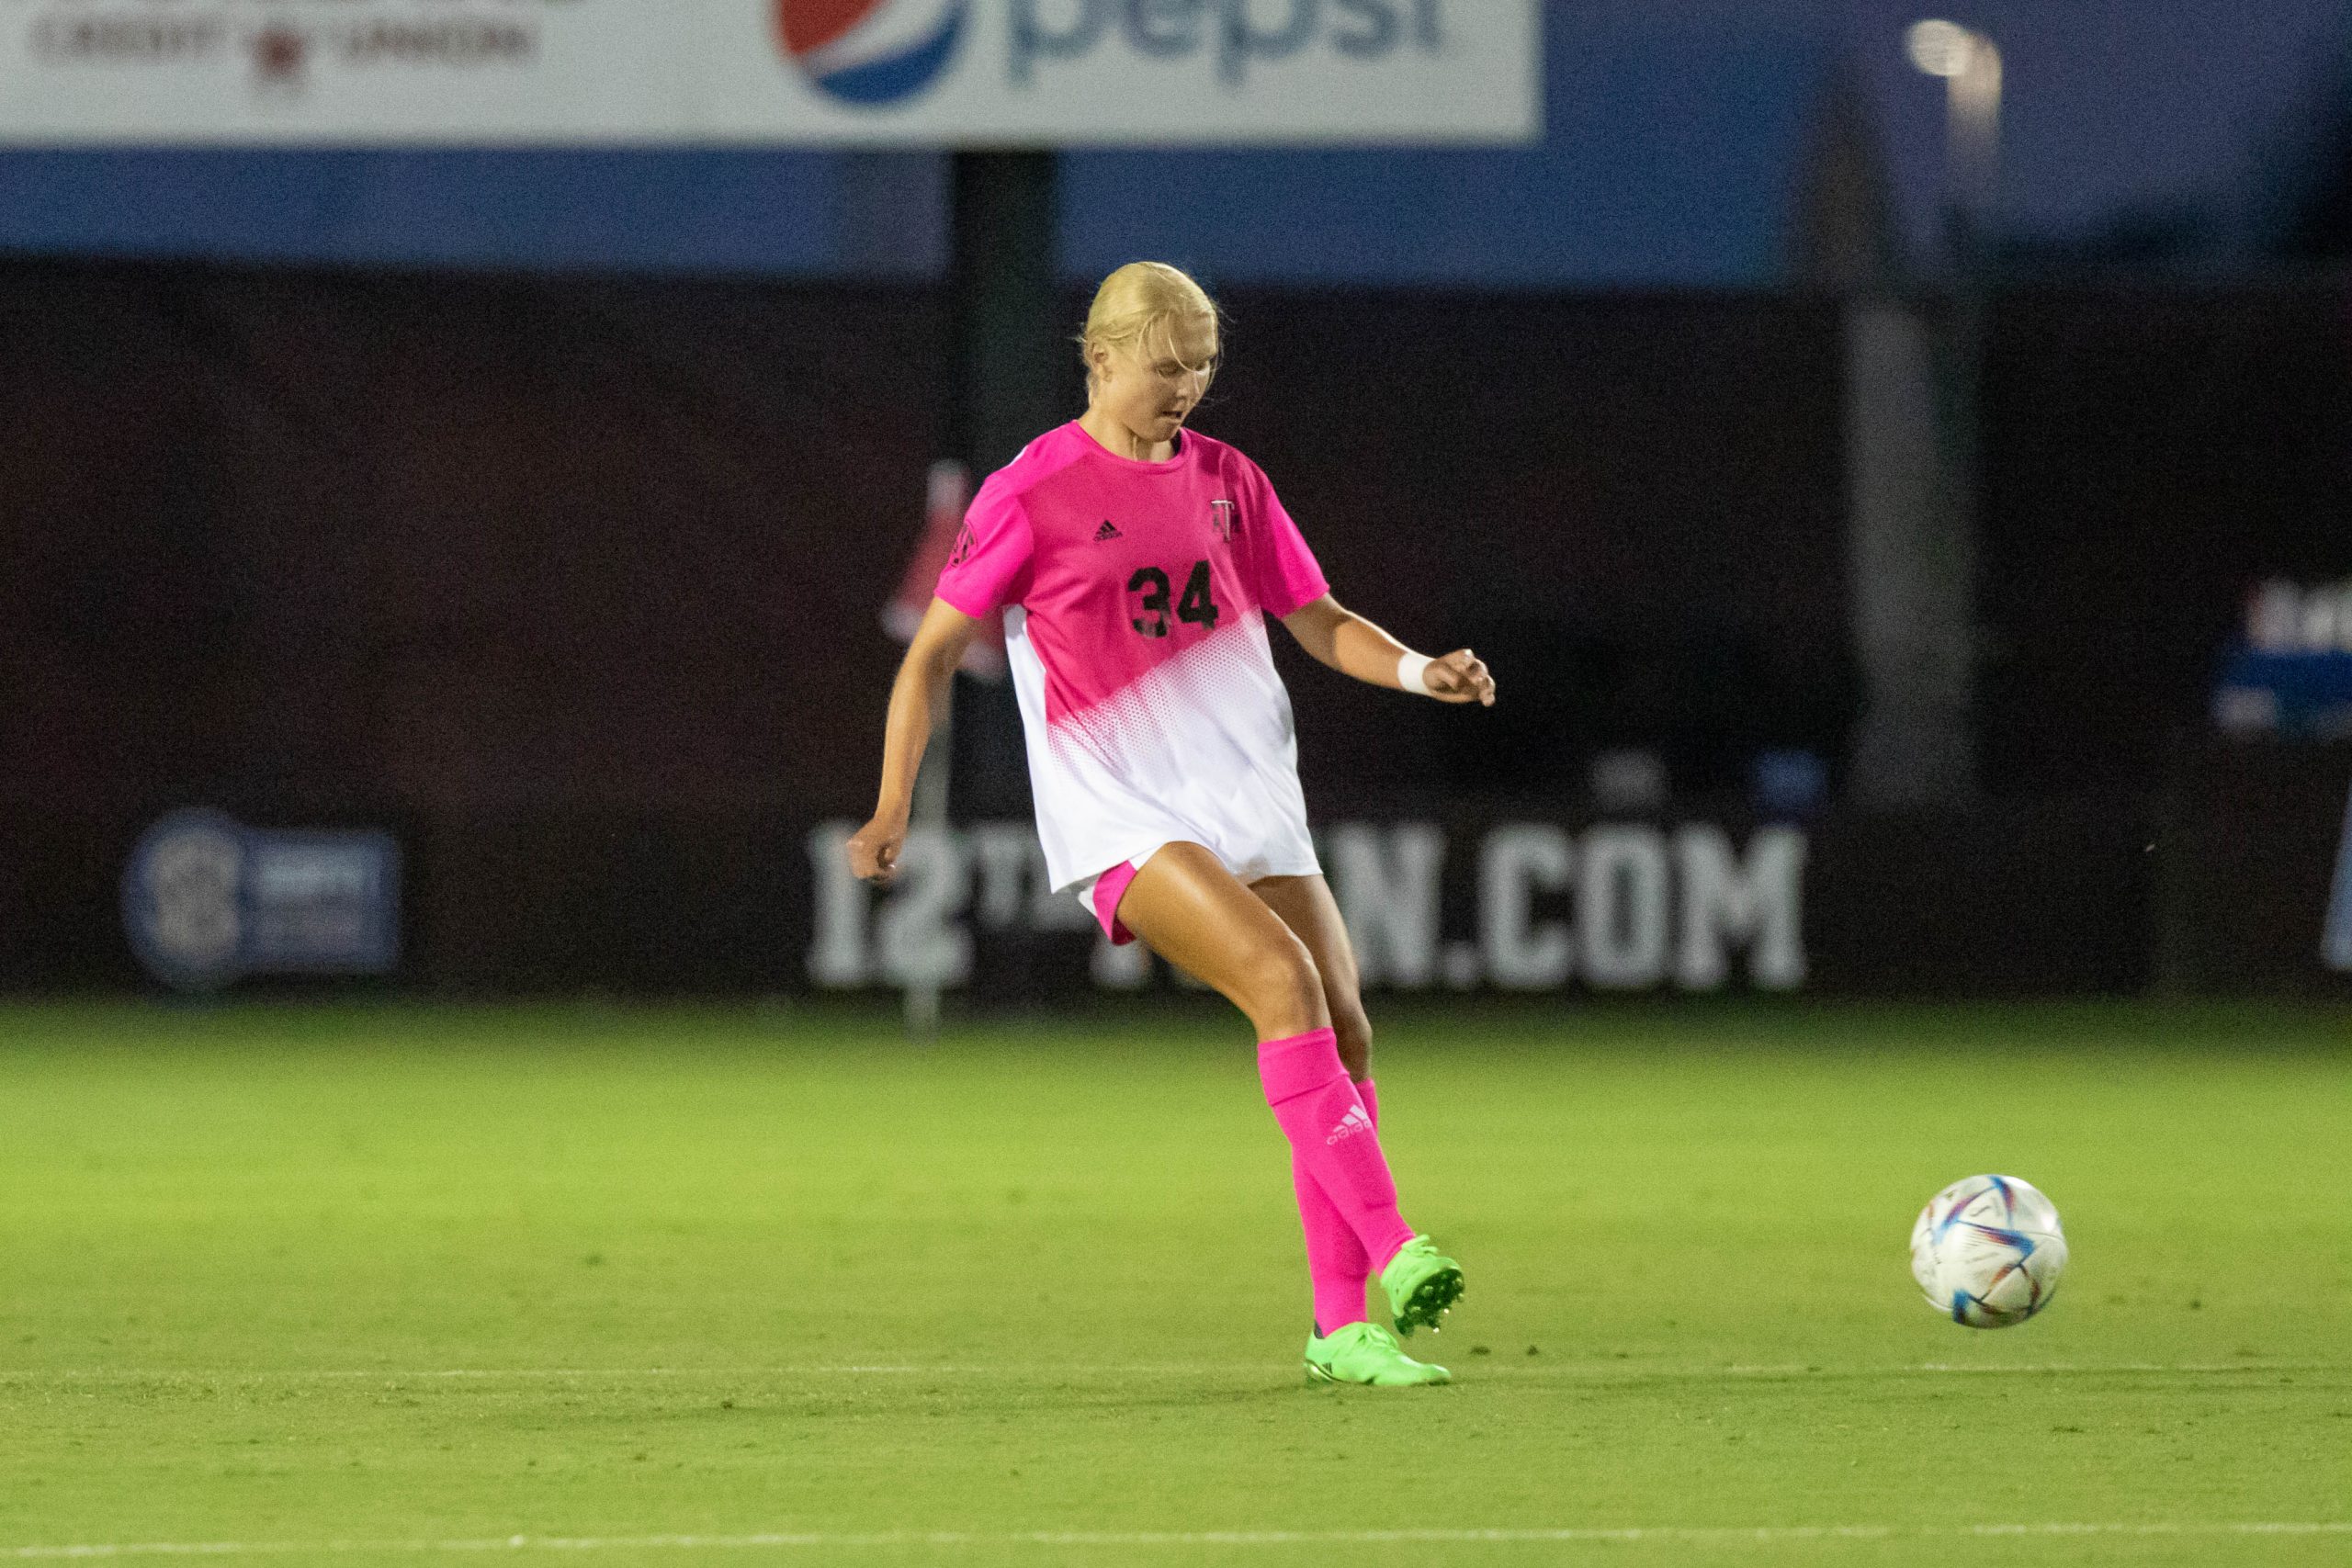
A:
x,y
1137,596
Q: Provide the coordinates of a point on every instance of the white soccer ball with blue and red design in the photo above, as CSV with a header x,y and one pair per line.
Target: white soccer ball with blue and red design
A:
x,y
1988,1251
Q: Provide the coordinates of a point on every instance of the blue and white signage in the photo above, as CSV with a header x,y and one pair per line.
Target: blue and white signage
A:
x,y
906,72
206,900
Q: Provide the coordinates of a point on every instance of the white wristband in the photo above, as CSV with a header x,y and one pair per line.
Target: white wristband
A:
x,y
1411,670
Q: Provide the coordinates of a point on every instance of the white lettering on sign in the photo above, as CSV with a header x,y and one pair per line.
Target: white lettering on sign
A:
x,y
837,957
1623,907
1387,881
303,872
1759,901
1238,34
918,940
1523,954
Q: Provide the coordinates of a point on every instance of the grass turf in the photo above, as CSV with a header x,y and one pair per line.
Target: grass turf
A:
x,y
291,1276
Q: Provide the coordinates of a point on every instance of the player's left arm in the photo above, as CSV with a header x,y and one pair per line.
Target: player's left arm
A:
x,y
1340,638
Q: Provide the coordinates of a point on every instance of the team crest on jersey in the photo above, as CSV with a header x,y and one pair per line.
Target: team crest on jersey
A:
x,y
963,551
1223,516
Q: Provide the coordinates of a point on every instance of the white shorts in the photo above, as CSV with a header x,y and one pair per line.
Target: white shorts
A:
x,y
1101,891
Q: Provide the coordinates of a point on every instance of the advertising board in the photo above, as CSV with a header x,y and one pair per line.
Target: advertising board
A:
x,y
921,73
1619,907
207,901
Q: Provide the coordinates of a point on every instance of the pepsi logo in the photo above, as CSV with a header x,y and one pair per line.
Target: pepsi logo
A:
x,y
870,52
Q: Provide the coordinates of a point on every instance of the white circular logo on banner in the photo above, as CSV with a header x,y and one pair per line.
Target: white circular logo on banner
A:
x,y
182,898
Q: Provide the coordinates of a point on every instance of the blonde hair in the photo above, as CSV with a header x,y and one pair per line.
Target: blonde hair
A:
x,y
1139,301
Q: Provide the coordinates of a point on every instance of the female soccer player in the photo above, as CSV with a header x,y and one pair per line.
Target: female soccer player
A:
x,y
1137,562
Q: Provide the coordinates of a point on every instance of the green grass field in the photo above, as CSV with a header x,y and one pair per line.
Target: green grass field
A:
x,y
396,1285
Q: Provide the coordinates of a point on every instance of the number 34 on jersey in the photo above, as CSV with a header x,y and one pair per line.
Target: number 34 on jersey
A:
x,y
1147,595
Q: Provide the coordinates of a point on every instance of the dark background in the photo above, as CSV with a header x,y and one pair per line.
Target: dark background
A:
x,y
575,584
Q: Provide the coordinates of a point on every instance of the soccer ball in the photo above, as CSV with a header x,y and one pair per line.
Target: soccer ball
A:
x,y
1988,1251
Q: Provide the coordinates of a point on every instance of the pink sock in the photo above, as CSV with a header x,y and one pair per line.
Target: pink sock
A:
x,y
1336,1264
1332,1136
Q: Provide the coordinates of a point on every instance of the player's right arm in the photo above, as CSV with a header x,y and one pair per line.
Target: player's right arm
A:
x,y
915,700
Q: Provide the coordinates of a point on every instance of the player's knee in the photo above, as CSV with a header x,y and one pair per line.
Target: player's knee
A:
x,y
1283,988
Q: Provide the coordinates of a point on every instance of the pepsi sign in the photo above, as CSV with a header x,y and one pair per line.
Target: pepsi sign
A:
x,y
1166,71
1235,33
886,73
870,52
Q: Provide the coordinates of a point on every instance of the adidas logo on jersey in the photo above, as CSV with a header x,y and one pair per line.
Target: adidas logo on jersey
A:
x,y
1106,532
1354,1122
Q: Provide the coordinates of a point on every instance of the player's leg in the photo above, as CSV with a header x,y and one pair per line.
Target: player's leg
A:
x,y
1189,909
1192,912
1337,1264
1195,913
1421,1283
1304,903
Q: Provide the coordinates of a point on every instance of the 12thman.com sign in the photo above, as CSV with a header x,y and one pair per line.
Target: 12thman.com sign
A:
x,y
1523,906
927,72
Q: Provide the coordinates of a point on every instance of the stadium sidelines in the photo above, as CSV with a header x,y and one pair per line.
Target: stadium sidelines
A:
x,y
1692,1536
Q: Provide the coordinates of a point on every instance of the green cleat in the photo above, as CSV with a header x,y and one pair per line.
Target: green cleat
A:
x,y
1367,1353
1422,1285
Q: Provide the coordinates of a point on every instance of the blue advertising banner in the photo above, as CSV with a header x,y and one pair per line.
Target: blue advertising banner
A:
x,y
207,901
